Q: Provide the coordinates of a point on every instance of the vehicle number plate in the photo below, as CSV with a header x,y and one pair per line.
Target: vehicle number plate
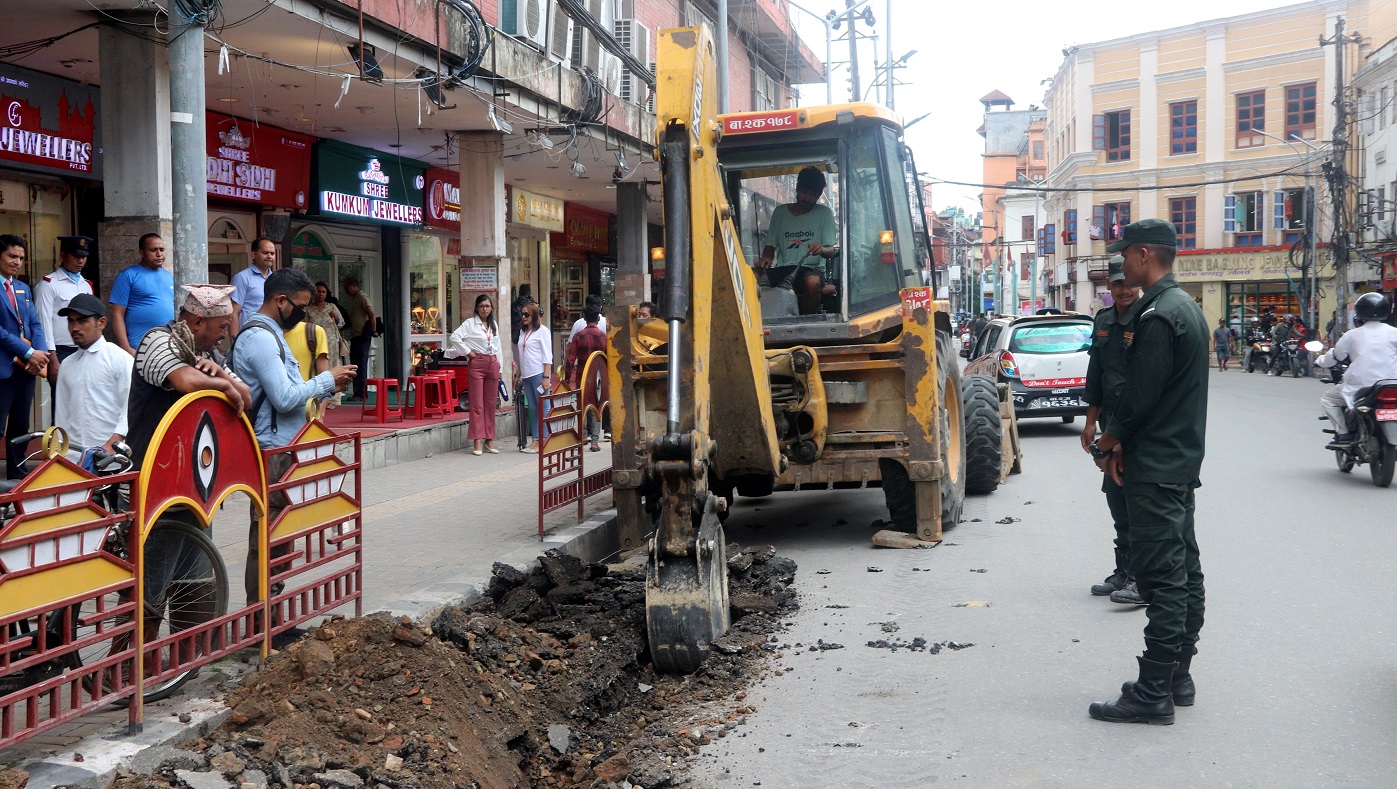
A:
x,y
1387,414
1056,402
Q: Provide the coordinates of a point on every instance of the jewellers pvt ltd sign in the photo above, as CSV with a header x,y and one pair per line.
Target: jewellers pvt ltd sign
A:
x,y
48,124
362,184
257,164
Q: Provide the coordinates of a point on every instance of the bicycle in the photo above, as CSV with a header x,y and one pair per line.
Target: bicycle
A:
x,y
185,580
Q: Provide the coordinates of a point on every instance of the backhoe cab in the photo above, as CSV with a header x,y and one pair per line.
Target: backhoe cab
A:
x,y
798,344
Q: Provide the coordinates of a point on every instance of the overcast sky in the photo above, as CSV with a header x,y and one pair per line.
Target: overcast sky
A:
x,y
967,49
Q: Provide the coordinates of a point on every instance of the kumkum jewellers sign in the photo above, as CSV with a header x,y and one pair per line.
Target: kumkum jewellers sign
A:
x,y
362,184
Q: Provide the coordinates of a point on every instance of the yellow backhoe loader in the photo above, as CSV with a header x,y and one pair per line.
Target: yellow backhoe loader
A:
x,y
828,365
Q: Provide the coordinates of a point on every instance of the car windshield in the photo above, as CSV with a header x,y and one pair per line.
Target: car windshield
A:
x,y
1052,338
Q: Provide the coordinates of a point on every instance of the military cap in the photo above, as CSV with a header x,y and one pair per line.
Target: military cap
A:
x,y
1116,269
1146,231
75,245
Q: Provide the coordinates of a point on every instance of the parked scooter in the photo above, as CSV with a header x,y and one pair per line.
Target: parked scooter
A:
x,y
1373,423
1260,354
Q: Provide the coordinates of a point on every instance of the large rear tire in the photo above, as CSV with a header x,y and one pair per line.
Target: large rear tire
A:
x,y
1384,464
899,491
984,434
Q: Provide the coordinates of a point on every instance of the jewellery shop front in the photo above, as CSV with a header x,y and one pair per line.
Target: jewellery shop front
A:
x,y
1242,284
365,210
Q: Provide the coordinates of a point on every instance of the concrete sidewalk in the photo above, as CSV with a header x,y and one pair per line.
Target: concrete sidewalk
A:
x,y
432,530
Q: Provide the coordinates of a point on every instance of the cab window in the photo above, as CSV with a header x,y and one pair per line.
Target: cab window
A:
x,y
873,284
1050,339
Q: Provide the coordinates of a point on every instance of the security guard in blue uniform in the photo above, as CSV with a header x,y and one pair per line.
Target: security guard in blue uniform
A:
x,y
1153,446
54,290
1105,376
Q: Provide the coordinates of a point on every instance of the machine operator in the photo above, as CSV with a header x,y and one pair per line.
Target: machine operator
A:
x,y
798,232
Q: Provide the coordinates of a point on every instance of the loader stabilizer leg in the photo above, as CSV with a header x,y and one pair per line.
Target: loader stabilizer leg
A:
x,y
686,595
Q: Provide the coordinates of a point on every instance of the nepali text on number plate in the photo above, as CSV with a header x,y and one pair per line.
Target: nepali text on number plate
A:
x,y
1055,402
1387,414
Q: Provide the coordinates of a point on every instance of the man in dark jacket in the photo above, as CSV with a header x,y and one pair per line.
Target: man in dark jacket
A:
x,y
1153,446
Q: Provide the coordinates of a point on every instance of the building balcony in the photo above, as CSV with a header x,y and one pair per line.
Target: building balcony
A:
x,y
768,23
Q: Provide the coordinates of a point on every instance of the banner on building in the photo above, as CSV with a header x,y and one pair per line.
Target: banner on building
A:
x,y
535,210
49,124
443,200
261,165
584,229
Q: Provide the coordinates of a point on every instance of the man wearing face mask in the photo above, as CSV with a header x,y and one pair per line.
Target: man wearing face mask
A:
x,y
262,358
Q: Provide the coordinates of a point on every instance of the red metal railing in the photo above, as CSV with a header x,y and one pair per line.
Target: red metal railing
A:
x,y
562,417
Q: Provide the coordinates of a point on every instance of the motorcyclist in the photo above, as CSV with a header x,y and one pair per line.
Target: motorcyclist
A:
x,y
1279,334
1370,351
1255,334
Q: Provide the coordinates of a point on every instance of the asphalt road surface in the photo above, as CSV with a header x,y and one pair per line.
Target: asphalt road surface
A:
x,y
1296,671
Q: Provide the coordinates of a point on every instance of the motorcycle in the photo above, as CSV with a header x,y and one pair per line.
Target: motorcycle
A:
x,y
1286,356
1373,423
1260,354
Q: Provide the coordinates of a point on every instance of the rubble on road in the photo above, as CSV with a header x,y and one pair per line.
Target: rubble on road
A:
x,y
545,681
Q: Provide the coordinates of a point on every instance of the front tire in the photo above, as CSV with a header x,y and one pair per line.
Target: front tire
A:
x,y
984,434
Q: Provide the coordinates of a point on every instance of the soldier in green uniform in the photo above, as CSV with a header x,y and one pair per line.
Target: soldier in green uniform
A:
x,y
1153,446
1105,376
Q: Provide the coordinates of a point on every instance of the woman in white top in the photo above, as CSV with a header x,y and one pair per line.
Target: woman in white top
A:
x,y
478,340
535,354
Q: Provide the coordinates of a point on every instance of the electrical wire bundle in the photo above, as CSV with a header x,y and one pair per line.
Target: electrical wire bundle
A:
x,y
197,12
592,104
478,38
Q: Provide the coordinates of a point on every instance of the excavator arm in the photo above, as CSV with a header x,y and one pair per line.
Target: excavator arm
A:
x,y
714,334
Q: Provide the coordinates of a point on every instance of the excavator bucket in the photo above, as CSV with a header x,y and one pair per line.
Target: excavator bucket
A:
x,y
686,597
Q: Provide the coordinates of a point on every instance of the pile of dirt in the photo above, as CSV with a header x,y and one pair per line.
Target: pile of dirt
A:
x,y
545,681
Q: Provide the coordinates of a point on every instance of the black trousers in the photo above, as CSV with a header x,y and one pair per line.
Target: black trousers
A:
x,y
16,396
1120,518
1164,557
359,348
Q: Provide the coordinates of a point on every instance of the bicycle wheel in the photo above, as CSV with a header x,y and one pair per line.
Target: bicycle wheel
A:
x,y
196,592
186,584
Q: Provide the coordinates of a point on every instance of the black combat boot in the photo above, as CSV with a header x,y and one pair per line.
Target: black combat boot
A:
x,y
1149,700
1116,580
1182,686
1128,594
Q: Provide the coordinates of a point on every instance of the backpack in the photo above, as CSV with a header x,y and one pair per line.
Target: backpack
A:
x,y
281,349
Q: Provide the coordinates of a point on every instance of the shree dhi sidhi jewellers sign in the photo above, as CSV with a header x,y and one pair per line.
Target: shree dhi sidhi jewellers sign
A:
x,y
371,187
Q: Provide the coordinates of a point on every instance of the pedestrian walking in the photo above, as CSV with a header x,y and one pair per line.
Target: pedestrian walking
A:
x,y
1153,445
535,354
593,302
1105,376
1222,344
143,295
361,334
477,340
262,358
92,396
22,339
248,283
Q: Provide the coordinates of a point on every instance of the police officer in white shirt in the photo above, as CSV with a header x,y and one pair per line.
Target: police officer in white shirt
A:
x,y
96,382
53,292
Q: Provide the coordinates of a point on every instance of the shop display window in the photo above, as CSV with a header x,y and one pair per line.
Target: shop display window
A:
x,y
426,303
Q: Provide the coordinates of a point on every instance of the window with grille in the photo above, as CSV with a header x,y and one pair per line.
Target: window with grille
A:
x,y
1027,227
1251,119
1183,212
1300,111
1243,217
1183,127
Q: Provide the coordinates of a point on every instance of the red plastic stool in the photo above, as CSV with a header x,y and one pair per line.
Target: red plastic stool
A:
x,y
446,406
418,387
381,411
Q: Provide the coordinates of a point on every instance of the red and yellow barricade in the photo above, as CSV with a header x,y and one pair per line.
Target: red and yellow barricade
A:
x,y
565,413
74,634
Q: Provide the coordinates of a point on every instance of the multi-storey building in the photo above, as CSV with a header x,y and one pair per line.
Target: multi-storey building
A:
x,y
1015,156
1375,89
1219,127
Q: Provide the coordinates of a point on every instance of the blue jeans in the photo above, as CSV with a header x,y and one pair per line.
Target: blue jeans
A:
x,y
531,385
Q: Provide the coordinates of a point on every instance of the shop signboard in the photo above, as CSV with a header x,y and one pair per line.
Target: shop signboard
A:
x,y
584,229
443,196
1219,265
49,124
358,183
257,164
307,248
535,210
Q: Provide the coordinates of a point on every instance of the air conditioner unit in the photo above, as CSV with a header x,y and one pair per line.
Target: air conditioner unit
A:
x,y
635,39
526,19
560,34
610,73
586,50
650,102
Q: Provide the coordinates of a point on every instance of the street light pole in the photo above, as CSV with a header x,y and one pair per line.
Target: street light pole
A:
x,y
829,50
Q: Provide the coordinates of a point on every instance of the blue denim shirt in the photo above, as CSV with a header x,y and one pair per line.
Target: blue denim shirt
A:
x,y
258,361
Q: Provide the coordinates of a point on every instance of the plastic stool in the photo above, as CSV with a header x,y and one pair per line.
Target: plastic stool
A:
x,y
446,405
381,411
417,388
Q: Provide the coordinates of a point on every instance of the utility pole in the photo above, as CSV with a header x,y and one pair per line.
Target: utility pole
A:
x,y
1336,172
188,150
888,51
722,55
855,93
